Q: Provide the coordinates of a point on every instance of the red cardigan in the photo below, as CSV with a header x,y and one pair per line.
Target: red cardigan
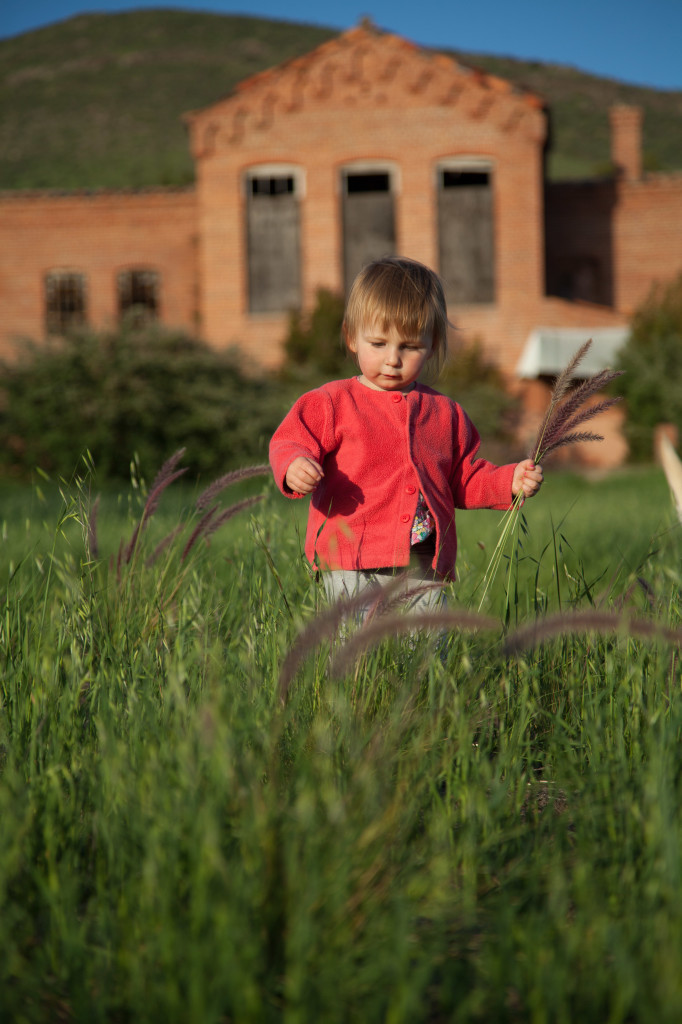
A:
x,y
378,449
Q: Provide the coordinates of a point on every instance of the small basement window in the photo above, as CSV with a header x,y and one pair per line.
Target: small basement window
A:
x,y
64,301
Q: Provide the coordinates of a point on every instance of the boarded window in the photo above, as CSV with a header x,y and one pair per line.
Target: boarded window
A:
x,y
466,236
368,220
138,295
64,301
273,243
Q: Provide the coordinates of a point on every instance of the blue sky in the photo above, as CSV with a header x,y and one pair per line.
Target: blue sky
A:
x,y
634,41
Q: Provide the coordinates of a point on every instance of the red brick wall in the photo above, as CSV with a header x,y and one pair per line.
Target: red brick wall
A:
x,y
647,237
97,234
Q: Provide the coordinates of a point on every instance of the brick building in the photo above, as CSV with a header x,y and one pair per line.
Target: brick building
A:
x,y
366,145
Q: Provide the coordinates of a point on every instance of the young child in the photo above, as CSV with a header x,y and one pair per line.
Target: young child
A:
x,y
386,458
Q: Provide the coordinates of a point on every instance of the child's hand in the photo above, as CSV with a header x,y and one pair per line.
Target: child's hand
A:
x,y
527,478
303,475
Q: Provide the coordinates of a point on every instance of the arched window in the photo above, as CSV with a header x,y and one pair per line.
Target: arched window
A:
x,y
368,215
273,238
65,301
466,236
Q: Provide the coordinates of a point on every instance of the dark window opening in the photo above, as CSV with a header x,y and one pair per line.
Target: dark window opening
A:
x,y
368,220
275,186
64,302
138,295
580,280
459,179
466,237
367,183
273,244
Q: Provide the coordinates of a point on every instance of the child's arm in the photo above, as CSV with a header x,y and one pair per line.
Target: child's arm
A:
x,y
300,443
527,478
303,475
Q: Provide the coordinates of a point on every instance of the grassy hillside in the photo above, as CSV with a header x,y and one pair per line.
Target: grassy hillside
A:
x,y
578,106
97,100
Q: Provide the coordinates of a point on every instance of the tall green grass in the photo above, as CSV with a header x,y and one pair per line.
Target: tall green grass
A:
x,y
474,837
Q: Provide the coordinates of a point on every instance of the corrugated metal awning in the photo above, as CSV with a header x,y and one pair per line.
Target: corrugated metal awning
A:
x,y
549,349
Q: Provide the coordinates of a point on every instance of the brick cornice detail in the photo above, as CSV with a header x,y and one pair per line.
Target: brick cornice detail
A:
x,y
362,69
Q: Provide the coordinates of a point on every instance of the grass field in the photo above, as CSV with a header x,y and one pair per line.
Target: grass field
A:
x,y
490,834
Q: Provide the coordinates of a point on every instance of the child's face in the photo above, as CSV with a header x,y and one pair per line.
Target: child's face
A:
x,y
388,361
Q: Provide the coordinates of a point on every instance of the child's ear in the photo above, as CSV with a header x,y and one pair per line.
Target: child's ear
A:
x,y
350,342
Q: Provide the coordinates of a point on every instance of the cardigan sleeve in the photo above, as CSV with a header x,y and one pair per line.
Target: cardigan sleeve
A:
x,y
307,430
477,483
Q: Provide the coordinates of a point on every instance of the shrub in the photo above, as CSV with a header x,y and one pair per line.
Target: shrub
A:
x,y
143,392
479,387
652,361
314,351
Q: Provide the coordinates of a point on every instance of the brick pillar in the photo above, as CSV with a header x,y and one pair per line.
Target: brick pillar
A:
x,y
626,140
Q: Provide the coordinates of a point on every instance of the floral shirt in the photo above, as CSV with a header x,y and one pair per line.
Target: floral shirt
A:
x,y
422,524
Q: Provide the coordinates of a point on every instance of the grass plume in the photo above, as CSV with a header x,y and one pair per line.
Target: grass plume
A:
x,y
397,625
564,414
219,485
566,411
325,626
589,621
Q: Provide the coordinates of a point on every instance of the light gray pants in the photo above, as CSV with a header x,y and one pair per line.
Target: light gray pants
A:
x,y
340,584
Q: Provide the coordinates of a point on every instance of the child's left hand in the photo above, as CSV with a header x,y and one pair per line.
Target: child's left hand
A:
x,y
527,478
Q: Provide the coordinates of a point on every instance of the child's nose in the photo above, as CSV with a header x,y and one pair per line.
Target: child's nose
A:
x,y
392,356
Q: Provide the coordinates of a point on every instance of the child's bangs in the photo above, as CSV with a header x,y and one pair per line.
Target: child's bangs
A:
x,y
403,308
388,297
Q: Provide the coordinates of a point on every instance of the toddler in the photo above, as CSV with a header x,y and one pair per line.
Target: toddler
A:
x,y
386,458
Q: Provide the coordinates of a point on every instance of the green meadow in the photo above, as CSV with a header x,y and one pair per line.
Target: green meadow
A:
x,y
212,809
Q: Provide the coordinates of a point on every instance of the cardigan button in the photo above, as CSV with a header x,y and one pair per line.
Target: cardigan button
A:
x,y
410,489
397,398
405,518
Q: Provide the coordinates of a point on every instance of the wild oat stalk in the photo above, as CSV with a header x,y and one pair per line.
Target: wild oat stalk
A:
x,y
558,429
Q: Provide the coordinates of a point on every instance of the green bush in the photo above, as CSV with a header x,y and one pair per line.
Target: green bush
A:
x,y
129,393
479,386
652,361
314,350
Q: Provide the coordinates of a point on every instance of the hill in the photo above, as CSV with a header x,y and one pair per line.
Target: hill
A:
x,y
96,101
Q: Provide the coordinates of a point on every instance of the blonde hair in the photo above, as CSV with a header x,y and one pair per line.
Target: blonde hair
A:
x,y
398,292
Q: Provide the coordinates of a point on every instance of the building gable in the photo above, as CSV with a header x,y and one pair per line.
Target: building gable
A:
x,y
360,70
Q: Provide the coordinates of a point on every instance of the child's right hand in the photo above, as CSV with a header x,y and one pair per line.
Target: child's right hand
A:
x,y
303,475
